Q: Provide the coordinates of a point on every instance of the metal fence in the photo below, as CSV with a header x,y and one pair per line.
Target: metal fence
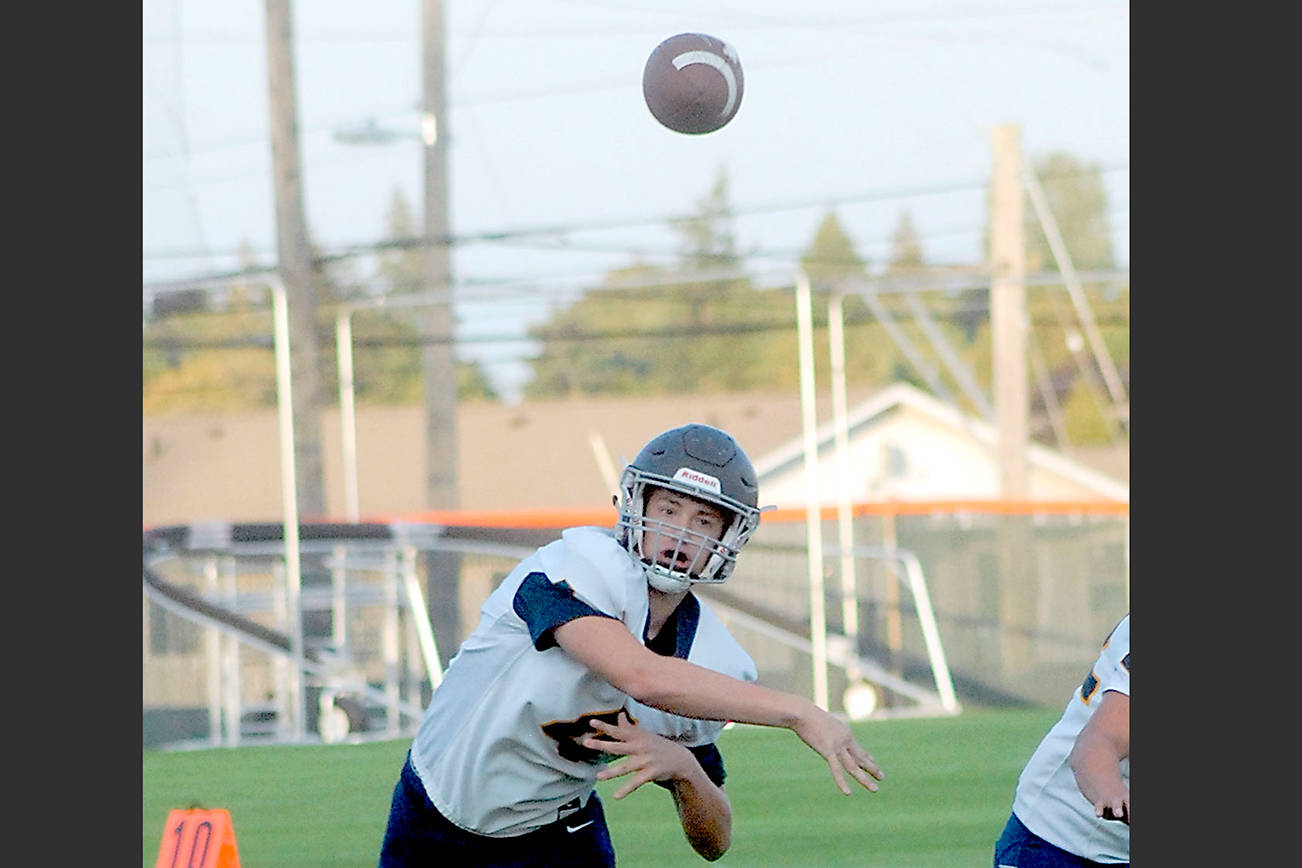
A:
x,y
1016,604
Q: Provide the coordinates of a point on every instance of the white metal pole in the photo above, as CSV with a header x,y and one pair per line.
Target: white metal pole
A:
x,y
605,466
212,652
289,499
930,631
339,599
813,527
231,658
420,617
845,521
389,640
347,412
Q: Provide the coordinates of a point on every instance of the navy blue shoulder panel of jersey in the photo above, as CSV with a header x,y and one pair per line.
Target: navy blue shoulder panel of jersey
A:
x,y
688,616
679,631
544,606
682,626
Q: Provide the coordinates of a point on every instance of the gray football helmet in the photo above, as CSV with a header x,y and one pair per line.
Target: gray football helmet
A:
x,y
704,463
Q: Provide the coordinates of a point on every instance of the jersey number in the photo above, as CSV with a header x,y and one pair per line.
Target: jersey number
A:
x,y
1091,682
567,732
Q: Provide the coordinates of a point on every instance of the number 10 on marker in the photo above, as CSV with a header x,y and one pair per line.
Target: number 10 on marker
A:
x,y
198,838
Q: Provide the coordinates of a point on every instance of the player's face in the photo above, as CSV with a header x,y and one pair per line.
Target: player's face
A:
x,y
680,530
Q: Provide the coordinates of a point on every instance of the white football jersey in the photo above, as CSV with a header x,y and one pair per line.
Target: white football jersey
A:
x,y
494,749
1048,800
713,647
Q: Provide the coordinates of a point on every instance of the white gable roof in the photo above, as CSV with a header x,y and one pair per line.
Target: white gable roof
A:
x,y
907,445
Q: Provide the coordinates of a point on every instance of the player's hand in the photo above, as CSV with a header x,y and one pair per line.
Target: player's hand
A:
x,y
1116,807
648,756
832,738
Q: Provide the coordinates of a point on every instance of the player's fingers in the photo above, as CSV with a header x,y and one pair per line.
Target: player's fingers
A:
x,y
632,785
1116,809
834,765
862,776
615,770
605,745
865,761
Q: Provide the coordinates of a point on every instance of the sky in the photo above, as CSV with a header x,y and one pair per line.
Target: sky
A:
x,y
870,108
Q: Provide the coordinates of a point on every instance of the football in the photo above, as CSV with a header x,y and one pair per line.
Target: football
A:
x,y
692,83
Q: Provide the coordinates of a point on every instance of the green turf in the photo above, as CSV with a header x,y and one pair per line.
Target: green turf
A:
x,y
949,785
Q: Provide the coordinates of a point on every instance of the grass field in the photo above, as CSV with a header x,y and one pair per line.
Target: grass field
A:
x,y
948,788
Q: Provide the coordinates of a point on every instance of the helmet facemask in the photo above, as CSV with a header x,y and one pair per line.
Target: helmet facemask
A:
x,y
648,539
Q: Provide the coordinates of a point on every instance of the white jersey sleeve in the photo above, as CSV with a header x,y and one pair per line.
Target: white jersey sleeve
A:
x,y
494,750
1048,800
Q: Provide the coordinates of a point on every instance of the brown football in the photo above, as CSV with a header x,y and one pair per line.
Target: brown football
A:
x,y
693,83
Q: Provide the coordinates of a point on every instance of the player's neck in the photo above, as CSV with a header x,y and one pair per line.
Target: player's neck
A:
x,y
662,607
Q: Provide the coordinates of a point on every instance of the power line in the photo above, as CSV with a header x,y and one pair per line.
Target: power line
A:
x,y
172,344
349,251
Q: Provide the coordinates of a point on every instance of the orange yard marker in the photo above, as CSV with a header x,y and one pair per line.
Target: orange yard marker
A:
x,y
198,838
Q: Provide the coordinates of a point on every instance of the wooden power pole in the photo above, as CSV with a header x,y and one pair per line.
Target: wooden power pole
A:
x,y
443,569
439,365
295,262
1008,325
1008,321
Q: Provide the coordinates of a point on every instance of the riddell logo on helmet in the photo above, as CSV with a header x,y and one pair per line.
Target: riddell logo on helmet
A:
x,y
700,480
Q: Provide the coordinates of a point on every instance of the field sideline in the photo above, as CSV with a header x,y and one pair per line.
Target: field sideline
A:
x,y
948,787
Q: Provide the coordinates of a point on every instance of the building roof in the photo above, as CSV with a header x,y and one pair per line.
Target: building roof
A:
x,y
788,458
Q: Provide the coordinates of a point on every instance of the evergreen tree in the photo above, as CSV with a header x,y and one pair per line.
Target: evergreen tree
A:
x,y
906,249
831,259
681,333
1078,202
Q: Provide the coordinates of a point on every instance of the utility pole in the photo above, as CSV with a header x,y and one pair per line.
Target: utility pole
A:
x,y
1008,320
295,261
441,453
298,320
1009,335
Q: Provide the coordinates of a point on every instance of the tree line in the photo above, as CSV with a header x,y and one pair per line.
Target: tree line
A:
x,y
660,329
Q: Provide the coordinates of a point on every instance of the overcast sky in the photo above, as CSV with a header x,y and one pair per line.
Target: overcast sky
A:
x,y
873,108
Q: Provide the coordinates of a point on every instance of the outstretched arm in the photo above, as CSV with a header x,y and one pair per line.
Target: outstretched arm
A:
x,y
703,808
1095,758
605,646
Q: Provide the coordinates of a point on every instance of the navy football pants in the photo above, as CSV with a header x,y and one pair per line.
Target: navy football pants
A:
x,y
1019,847
418,835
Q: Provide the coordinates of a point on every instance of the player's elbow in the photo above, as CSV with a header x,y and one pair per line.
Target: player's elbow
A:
x,y
714,850
712,854
711,844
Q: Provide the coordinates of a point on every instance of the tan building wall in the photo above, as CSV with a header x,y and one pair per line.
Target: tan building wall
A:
x,y
536,455
541,454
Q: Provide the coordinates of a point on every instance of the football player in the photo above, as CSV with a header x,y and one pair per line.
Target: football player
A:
x,y
1072,804
594,648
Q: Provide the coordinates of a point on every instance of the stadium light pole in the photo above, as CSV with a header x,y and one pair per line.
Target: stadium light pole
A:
x,y
348,387
859,699
813,528
347,410
289,500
